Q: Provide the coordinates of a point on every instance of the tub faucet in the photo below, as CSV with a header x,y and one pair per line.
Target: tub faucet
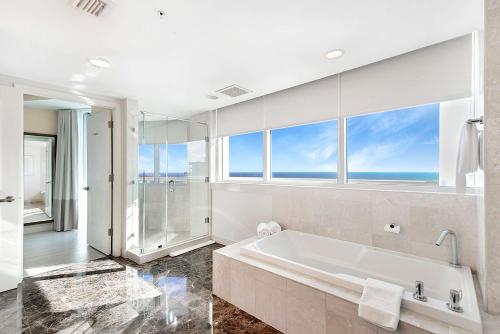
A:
x,y
454,247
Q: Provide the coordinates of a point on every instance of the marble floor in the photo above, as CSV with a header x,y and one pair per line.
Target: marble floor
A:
x,y
50,250
169,295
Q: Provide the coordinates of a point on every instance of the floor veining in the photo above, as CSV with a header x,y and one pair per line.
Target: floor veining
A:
x,y
114,295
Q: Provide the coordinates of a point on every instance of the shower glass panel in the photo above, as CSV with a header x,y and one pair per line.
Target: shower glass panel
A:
x,y
188,189
173,187
152,191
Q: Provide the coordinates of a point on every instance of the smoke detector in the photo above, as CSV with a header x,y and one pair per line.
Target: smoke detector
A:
x,y
93,7
233,91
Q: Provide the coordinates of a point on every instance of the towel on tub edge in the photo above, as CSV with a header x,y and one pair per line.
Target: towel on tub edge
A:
x,y
274,226
380,303
263,230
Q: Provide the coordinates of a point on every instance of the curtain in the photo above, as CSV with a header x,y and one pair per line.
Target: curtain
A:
x,y
69,163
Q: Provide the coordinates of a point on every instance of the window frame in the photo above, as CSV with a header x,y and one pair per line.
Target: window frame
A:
x,y
353,181
222,173
224,159
315,181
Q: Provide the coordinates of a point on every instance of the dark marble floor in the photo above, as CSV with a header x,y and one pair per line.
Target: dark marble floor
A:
x,y
169,295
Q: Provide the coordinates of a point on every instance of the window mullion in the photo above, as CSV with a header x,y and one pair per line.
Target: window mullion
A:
x,y
156,163
266,161
341,156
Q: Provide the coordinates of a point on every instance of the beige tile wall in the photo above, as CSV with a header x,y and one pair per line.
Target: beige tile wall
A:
x,y
492,153
353,215
360,216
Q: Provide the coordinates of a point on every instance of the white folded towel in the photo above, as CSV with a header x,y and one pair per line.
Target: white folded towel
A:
x,y
468,155
263,230
274,226
380,303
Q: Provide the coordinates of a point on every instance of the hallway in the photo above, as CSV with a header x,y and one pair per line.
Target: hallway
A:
x,y
46,251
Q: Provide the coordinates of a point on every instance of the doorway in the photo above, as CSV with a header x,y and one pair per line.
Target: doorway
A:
x,y
68,146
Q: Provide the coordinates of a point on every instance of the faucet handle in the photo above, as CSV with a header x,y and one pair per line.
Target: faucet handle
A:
x,y
454,303
419,292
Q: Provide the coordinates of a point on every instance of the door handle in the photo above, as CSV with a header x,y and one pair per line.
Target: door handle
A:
x,y
7,199
87,188
171,186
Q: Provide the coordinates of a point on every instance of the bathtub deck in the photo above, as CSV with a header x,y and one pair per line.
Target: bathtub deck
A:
x,y
294,303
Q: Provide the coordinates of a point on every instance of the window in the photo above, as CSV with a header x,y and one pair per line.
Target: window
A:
x,y
174,161
245,155
146,163
305,152
155,161
401,145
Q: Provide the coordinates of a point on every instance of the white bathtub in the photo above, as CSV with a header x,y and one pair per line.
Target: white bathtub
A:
x,y
348,264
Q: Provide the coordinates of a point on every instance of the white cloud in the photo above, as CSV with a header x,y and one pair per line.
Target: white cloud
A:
x,y
321,153
369,156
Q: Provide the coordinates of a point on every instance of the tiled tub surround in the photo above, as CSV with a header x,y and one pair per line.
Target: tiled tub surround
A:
x,y
352,214
169,295
298,303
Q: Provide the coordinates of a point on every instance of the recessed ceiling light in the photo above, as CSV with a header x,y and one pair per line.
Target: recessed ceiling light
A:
x,y
334,54
100,62
212,97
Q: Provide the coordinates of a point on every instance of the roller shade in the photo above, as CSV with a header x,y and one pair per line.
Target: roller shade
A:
x,y
312,102
240,118
439,72
307,103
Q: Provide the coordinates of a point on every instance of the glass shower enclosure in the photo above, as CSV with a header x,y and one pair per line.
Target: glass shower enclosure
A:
x,y
173,183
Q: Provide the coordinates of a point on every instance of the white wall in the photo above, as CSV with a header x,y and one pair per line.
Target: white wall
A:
x,y
40,121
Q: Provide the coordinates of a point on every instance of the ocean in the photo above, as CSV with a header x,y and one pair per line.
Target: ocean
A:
x,y
385,176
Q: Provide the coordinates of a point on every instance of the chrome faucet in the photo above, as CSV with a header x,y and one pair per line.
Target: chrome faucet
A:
x,y
454,246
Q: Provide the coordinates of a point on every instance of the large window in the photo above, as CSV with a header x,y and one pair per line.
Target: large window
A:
x,y
305,152
400,145
245,155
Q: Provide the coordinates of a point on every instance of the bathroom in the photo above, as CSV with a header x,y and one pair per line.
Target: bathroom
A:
x,y
283,167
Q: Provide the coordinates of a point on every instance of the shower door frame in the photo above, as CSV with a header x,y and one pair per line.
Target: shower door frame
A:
x,y
207,235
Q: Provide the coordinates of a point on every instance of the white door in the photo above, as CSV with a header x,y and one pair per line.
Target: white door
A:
x,y
11,185
99,191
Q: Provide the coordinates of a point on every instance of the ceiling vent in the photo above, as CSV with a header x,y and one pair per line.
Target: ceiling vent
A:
x,y
93,7
233,91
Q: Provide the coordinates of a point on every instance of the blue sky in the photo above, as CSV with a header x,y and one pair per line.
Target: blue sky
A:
x,y
177,158
307,148
405,140
245,153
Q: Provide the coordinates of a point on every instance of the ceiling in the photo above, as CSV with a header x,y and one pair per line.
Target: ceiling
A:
x,y
171,64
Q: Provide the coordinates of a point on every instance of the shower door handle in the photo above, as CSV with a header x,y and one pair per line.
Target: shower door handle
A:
x,y
7,199
171,186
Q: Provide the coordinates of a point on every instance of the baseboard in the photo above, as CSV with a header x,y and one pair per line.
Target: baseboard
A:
x,y
39,227
190,248
222,241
